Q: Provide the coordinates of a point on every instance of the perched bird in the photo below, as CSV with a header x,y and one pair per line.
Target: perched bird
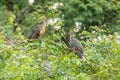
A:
x,y
75,44
38,30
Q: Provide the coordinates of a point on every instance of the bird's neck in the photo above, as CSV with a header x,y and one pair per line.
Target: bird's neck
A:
x,y
71,36
45,23
45,20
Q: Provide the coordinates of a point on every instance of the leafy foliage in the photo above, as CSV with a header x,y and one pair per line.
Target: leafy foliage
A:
x,y
22,59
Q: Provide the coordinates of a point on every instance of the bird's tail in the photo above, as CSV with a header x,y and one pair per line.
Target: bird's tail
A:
x,y
31,35
81,55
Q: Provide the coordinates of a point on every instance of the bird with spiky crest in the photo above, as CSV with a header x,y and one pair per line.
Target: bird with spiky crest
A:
x,y
75,44
39,29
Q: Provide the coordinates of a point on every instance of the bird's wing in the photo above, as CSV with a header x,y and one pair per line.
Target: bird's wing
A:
x,y
36,30
38,26
76,43
78,47
31,35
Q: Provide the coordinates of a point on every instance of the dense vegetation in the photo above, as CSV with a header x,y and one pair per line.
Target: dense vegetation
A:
x,y
98,31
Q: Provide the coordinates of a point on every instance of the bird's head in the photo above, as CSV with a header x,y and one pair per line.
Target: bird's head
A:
x,y
44,18
71,33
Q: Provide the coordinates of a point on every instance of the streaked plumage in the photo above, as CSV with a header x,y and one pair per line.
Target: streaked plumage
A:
x,y
38,30
75,44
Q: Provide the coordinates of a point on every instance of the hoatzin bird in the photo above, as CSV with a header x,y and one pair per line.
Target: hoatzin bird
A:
x,y
38,30
75,44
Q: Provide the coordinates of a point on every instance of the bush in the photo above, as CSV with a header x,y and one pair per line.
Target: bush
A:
x,y
20,59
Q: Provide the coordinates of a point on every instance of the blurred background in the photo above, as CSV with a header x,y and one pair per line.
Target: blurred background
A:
x,y
96,24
